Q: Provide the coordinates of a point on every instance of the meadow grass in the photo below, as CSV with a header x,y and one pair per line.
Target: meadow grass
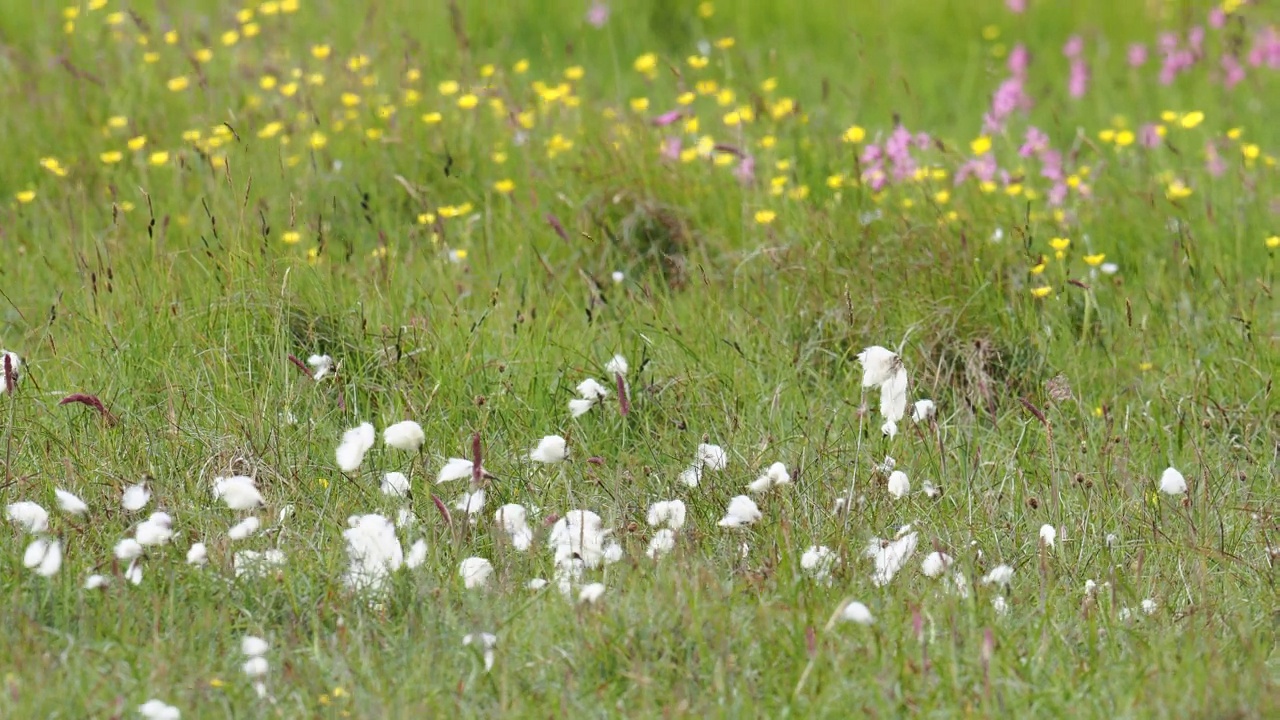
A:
x,y
467,267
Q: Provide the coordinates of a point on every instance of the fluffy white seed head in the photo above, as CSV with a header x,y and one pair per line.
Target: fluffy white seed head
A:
x,y
395,484
69,503
899,484
856,612
244,528
742,511
455,469
135,497
355,443
1172,482
406,435
616,366
28,516
238,492
475,572
550,449
197,554
591,594
668,513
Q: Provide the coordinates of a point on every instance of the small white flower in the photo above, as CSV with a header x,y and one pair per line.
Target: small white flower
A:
x,y
197,554
999,575
30,517
742,511
395,484
253,646
455,469
1149,606
373,551
134,572
417,554
899,484
578,408
43,556
891,556
486,642
257,564
1000,605
471,503
712,457
878,365
536,584
1090,587
591,593
776,475
935,563
1048,535
887,466
856,612
244,528
618,276
135,497
819,561
128,549
475,572
930,490
1112,539
1172,482
580,536
551,449
592,390
256,667
158,710
405,518
670,513
1109,268
355,443
923,410
320,366
616,366
70,504
692,476
406,435
237,491
662,542
513,519
155,530
93,582
1124,613
889,429
960,584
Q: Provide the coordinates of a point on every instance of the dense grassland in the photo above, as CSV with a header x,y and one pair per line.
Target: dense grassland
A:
x,y
472,207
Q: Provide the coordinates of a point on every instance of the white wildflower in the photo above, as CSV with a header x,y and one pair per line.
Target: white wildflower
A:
x,y
999,575
471,503
237,491
551,449
669,513
742,511
513,519
158,710
776,475
935,563
819,561
891,555
93,582
256,667
244,528
455,469
395,484
580,535
135,497
197,554
475,572
1000,605
69,503
486,643
662,542
406,435
1172,482
1149,606
253,646
923,410
536,584
355,443
30,517
617,366
133,573
44,556
930,490
856,612
1048,535
590,389
373,550
128,549
712,457
899,484
320,365
417,554
591,593
155,530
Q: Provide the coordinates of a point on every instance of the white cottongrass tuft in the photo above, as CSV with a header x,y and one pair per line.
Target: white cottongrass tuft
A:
x,y
471,503
930,490
886,467
667,513
69,503
455,469
550,449
581,535
253,646
158,710
1048,535
1172,482
1000,605
819,561
999,575
30,517
197,554
373,550
486,642
237,491
616,366
536,584
256,667
155,530
959,584
776,475
244,528
355,443
395,484
856,612
475,572
590,392
890,556
513,519
882,368
1149,606
579,407
708,457
742,511
133,573
923,410
320,365
662,542
44,556
93,582
935,563
252,563
128,549
899,484
405,519
135,497
417,554
591,594
406,435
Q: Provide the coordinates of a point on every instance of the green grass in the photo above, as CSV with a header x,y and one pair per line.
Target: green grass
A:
x,y
170,292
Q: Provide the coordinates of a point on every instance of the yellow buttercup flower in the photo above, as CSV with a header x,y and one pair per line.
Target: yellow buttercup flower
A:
x,y
854,134
1191,119
25,196
764,217
159,157
178,84
504,186
980,145
646,63
468,101
1273,242
111,157
1094,260
1041,292
1060,243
